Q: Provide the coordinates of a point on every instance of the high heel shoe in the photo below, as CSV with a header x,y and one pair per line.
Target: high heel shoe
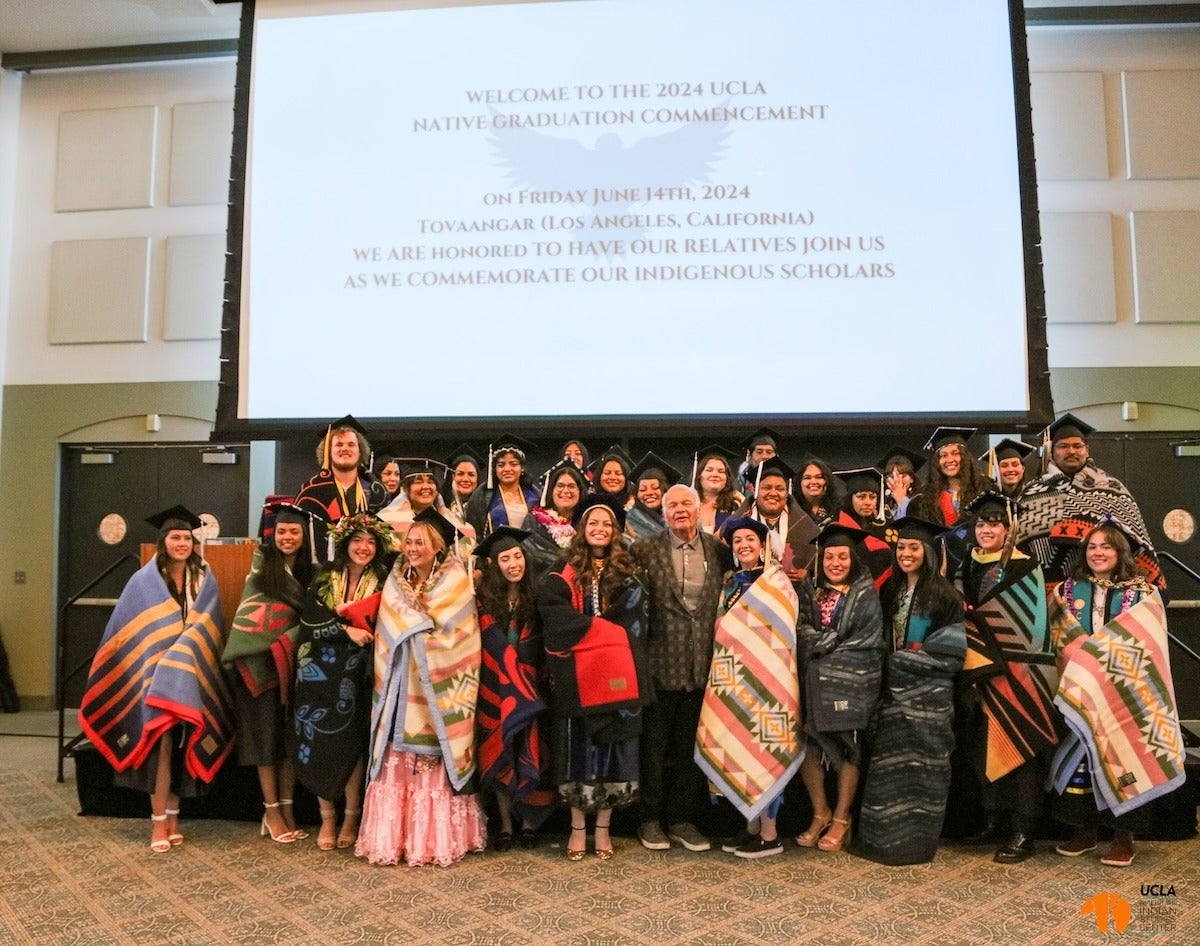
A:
x,y
810,837
284,837
158,845
577,855
299,833
174,837
349,833
603,853
327,836
831,842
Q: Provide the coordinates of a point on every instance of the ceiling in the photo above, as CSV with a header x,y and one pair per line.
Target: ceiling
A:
x,y
43,25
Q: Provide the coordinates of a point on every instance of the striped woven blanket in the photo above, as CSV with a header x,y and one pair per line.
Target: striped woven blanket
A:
x,y
748,740
156,669
1117,698
427,656
262,641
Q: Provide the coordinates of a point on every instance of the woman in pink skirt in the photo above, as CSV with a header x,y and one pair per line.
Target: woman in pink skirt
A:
x,y
418,804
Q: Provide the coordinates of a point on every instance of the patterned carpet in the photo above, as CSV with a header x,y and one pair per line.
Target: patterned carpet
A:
x,y
93,881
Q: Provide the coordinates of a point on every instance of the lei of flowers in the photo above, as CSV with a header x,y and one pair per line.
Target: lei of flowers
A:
x,y
560,528
341,531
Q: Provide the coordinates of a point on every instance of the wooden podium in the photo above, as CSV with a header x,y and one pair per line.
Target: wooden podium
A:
x,y
230,563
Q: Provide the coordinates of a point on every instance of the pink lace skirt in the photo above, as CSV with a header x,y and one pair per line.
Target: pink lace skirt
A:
x,y
411,812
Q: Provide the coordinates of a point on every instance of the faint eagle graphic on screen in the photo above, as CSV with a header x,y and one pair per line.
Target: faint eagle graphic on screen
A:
x,y
535,161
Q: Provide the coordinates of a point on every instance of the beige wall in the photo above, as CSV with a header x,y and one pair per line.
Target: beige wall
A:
x,y
36,418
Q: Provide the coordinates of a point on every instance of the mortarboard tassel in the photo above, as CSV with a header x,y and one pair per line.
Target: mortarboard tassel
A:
x,y
325,453
695,466
312,541
490,475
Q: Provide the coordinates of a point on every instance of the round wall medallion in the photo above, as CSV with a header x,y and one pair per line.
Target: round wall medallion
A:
x,y
1179,525
112,529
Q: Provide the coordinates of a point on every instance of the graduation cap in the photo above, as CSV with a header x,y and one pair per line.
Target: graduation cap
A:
x,y
600,499
444,527
1008,448
915,460
1069,426
177,517
776,465
412,466
463,451
501,540
912,527
275,511
764,435
839,534
714,450
506,443
865,479
551,476
652,463
615,452
731,526
991,506
1108,519
345,423
388,453
948,435
288,512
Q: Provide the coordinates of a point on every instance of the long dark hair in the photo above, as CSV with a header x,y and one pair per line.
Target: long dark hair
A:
x,y
193,564
1127,567
493,593
447,489
857,568
971,483
619,565
274,579
934,595
829,501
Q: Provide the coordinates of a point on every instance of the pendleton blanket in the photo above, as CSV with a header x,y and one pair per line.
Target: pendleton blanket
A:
x,y
1010,658
331,707
427,655
1117,699
907,779
262,641
512,755
156,668
1057,511
748,740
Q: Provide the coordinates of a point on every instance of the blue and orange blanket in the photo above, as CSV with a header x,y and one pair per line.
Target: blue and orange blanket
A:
x,y
157,668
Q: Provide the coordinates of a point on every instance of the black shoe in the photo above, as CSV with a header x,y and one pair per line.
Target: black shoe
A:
x,y
730,845
988,832
1017,848
529,839
503,841
757,847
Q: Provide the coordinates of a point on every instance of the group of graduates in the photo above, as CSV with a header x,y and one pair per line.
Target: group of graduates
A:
x,y
608,635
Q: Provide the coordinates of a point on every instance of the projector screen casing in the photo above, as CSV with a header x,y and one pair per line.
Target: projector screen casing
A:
x,y
782,392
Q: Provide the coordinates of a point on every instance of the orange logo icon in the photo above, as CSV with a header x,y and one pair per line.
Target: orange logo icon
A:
x,y
1108,907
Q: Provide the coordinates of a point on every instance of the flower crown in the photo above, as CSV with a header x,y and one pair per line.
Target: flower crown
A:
x,y
341,531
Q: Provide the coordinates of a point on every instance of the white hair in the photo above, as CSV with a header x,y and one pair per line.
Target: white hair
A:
x,y
687,489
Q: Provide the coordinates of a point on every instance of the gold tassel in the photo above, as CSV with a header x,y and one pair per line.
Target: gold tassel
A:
x,y
325,455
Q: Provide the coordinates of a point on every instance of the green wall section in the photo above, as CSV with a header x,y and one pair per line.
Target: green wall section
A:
x,y
36,418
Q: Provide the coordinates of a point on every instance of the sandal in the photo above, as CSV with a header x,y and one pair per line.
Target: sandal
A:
x,y
504,842
283,837
174,837
833,839
573,855
349,833
810,837
298,833
159,845
327,836
604,853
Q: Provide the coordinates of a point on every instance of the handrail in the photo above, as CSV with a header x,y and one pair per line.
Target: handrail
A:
x,y
1182,566
63,675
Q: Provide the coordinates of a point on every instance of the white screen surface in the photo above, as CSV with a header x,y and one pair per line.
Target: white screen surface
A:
x,y
651,198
